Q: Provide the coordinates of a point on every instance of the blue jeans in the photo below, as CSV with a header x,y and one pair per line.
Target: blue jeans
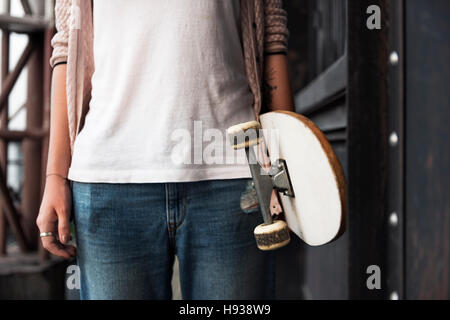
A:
x,y
128,235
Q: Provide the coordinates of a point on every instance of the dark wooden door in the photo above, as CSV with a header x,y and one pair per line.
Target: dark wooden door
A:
x,y
382,98
427,171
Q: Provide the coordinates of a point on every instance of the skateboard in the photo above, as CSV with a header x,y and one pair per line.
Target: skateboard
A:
x,y
294,169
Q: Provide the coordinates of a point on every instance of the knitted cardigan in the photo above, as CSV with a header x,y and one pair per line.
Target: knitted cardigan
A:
x,y
263,27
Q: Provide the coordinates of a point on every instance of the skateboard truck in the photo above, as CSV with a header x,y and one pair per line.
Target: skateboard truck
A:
x,y
272,234
280,178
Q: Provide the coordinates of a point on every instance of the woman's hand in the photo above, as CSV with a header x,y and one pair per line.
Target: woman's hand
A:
x,y
54,216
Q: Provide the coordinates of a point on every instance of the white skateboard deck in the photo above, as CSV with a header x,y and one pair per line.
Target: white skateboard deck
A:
x,y
317,211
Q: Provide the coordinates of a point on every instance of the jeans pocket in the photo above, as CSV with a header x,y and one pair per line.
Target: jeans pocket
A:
x,y
249,199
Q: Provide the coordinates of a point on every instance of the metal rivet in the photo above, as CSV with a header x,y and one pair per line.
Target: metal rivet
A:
x,y
394,296
393,58
393,139
393,219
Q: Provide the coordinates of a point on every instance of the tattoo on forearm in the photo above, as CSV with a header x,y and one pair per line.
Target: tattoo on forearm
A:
x,y
268,89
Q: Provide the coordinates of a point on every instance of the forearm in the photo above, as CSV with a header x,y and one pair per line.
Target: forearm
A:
x,y
59,155
276,85
55,210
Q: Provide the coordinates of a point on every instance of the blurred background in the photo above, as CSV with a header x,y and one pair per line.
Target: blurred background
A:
x,y
380,94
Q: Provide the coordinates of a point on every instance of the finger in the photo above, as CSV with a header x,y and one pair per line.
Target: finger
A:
x,y
63,226
51,244
71,250
55,247
47,224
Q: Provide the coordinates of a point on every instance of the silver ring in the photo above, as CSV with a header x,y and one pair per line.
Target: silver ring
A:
x,y
46,234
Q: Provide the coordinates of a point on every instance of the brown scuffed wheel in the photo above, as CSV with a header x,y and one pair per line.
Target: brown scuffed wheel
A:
x,y
272,236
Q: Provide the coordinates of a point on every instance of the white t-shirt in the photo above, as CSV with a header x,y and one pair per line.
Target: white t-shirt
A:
x,y
169,80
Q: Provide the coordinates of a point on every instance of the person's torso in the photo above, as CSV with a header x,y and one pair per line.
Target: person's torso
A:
x,y
169,79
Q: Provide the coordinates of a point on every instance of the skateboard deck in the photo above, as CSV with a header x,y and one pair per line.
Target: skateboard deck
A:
x,y
310,181
317,211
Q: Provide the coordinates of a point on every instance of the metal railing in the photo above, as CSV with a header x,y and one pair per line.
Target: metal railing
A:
x,y
37,24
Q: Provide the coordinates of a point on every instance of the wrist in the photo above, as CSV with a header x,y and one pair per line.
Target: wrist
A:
x,y
56,176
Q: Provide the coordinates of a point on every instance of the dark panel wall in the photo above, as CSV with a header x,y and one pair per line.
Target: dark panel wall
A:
x,y
318,37
318,40
427,149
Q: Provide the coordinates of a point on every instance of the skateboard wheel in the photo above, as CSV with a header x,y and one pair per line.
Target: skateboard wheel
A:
x,y
272,236
239,136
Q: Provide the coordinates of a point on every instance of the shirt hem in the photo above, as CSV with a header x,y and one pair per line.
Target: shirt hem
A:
x,y
157,176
